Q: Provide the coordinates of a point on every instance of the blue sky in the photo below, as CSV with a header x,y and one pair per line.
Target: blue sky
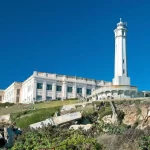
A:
x,y
72,37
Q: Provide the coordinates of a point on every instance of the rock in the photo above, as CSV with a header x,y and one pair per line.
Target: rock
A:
x,y
5,119
85,127
10,134
67,107
130,115
54,121
11,138
107,119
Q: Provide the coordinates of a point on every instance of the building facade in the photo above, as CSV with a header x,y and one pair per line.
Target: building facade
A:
x,y
12,94
45,86
42,86
1,95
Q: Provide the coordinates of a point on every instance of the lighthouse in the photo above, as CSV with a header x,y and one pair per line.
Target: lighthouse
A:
x,y
120,67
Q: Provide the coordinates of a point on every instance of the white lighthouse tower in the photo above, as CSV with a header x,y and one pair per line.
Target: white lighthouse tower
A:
x,y
121,71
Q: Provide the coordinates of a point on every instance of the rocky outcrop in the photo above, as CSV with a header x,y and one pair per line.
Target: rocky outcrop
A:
x,y
130,115
139,114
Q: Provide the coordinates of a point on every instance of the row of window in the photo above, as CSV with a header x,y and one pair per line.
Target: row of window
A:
x,y
59,88
47,98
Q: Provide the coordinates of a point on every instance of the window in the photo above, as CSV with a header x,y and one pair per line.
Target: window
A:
x,y
58,98
79,90
122,32
69,89
59,88
123,71
39,85
39,98
49,87
123,61
88,91
0,98
18,91
48,98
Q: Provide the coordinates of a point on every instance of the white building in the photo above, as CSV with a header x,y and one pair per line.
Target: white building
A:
x,y
1,95
12,94
45,86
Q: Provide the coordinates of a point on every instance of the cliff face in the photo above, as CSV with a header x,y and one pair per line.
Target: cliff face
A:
x,y
136,114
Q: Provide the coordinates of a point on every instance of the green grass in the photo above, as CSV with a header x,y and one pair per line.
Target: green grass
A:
x,y
105,112
35,116
24,107
55,103
23,115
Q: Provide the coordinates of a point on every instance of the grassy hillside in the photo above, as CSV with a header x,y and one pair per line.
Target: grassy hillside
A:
x,y
23,107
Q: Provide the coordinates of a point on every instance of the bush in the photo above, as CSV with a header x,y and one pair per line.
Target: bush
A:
x,y
56,138
144,143
107,104
6,104
107,111
87,111
102,109
120,116
137,102
138,110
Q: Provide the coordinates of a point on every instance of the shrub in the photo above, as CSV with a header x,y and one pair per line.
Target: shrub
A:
x,y
144,143
107,111
107,104
120,116
56,138
137,102
6,104
102,109
138,110
87,111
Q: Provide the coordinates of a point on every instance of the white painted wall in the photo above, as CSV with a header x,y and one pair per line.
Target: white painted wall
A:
x,y
30,91
121,72
10,94
27,90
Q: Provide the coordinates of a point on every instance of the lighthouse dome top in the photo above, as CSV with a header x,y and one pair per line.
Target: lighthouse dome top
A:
x,y
121,24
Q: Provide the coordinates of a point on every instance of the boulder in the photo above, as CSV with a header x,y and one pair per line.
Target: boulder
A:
x,y
107,119
5,119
